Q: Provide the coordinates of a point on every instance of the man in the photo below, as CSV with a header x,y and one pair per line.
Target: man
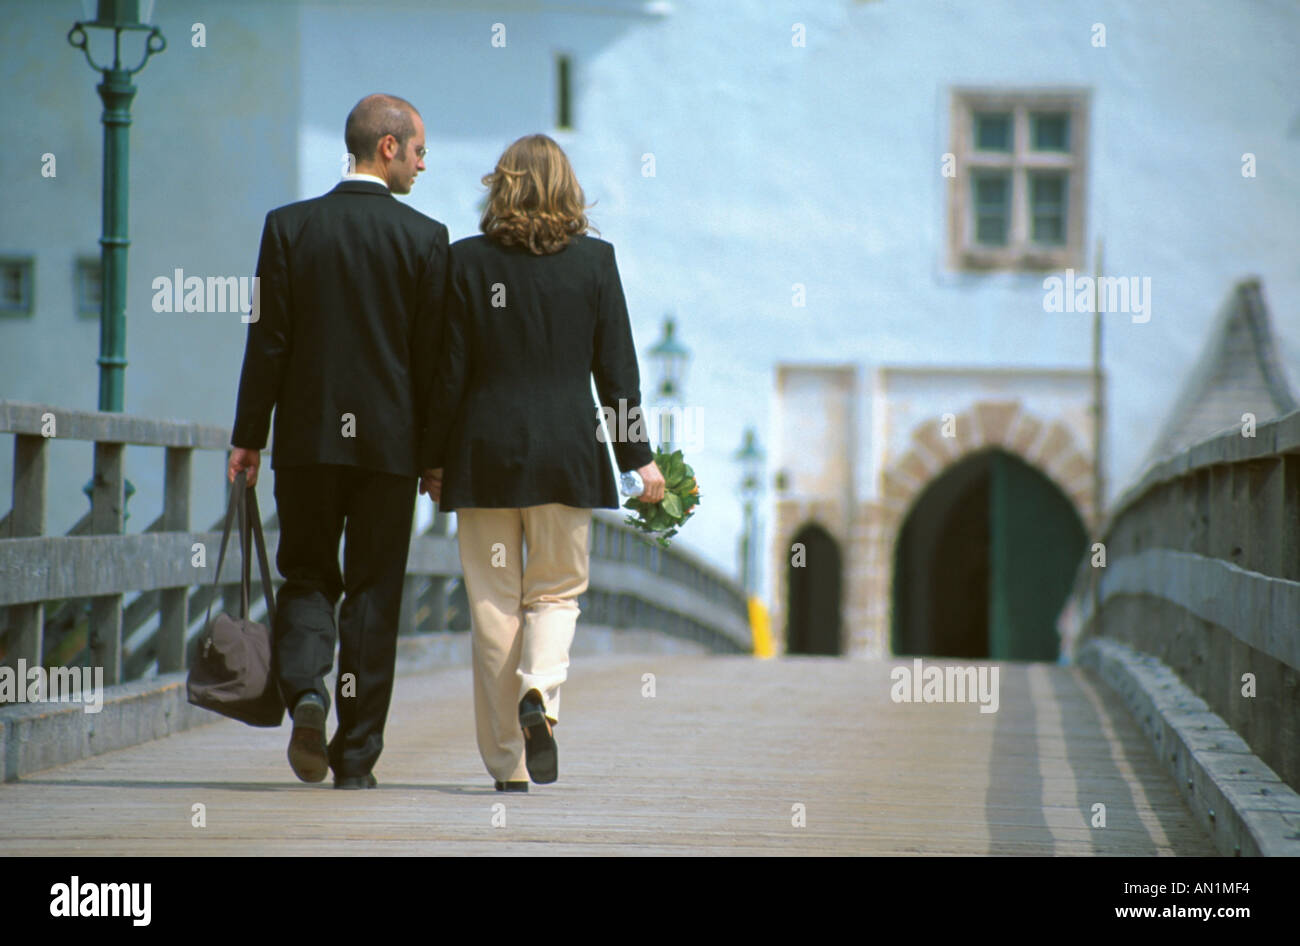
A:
x,y
342,346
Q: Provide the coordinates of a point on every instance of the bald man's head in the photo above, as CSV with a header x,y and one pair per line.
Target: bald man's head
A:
x,y
380,132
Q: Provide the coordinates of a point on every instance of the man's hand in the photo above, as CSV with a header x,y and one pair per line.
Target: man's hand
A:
x,y
241,459
431,483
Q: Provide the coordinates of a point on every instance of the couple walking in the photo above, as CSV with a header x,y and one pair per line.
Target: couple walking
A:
x,y
392,361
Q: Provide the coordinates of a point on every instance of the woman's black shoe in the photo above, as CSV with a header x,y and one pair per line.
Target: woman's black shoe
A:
x,y
511,786
541,755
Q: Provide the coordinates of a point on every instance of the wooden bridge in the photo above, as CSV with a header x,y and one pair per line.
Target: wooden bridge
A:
x,y
1144,745
731,756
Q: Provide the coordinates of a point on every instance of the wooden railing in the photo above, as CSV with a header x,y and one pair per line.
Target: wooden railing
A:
x,y
63,599
1203,572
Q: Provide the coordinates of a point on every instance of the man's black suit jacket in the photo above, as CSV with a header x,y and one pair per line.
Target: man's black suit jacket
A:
x,y
513,423
351,289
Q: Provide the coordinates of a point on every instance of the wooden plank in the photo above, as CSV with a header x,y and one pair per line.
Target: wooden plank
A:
x,y
436,601
1280,435
1256,609
17,417
50,568
173,603
27,518
1221,514
1261,513
1286,434
1288,520
108,516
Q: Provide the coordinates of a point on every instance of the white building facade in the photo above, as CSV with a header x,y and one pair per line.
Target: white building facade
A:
x,y
875,185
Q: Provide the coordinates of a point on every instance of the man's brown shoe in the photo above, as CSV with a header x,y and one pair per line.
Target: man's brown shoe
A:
x,y
307,754
356,781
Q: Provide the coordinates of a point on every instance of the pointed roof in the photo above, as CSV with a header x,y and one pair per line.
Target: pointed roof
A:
x,y
1238,371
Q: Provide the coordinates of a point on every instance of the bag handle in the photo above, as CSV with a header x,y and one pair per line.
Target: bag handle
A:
x,y
245,553
263,566
245,499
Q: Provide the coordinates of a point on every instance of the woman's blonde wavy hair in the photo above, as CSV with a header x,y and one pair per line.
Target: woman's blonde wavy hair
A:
x,y
534,199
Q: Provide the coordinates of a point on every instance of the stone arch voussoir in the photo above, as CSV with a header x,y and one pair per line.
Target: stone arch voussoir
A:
x,y
1046,444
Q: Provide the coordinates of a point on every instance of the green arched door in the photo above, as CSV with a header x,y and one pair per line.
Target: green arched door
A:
x,y
984,562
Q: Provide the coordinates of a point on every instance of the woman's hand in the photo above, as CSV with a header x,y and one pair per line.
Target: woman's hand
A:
x,y
654,483
431,483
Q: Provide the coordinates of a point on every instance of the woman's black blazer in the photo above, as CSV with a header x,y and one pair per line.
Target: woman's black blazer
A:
x,y
511,418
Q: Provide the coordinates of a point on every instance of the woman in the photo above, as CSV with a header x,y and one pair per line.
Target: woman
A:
x,y
535,309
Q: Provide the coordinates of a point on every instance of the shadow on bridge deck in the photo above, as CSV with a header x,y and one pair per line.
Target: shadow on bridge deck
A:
x,y
718,761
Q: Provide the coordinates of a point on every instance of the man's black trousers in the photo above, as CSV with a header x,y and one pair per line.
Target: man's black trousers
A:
x,y
373,512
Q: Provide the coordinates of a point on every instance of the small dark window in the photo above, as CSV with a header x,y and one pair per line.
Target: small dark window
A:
x,y
992,200
90,287
563,93
1047,192
1049,131
992,131
15,286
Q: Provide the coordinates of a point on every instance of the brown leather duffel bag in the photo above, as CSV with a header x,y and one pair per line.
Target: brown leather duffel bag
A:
x,y
234,670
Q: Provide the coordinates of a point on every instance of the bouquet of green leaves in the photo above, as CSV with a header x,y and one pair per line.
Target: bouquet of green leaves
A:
x,y
681,496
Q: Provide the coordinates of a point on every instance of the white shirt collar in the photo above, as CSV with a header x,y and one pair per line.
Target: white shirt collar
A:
x,y
365,177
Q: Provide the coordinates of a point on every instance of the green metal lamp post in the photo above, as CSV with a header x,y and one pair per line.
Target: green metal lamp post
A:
x,y
671,357
116,92
750,458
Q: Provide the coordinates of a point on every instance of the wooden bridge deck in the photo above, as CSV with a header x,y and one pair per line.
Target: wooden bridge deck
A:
x,y
714,763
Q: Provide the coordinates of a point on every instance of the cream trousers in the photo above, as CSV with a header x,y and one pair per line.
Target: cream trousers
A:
x,y
523,615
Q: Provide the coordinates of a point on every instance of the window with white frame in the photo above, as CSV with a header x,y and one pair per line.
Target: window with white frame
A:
x,y
1016,198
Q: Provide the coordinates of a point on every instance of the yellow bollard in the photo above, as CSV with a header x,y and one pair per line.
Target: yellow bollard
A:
x,y
760,626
